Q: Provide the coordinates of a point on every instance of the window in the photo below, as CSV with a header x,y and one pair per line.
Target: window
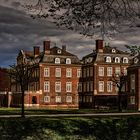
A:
x,y
68,72
91,71
46,99
125,60
79,87
78,72
57,86
117,71
88,72
57,60
108,59
58,72
101,71
84,72
132,99
113,50
84,88
109,86
101,86
68,61
132,82
59,51
88,86
46,72
109,71
91,85
117,60
69,99
125,71
68,87
46,86
58,99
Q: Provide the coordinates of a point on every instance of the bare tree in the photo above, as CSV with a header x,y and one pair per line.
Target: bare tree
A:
x,y
119,81
22,74
134,50
88,16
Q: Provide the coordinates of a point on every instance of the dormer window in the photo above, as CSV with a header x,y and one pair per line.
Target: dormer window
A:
x,y
117,60
113,50
136,60
57,60
68,61
108,59
125,60
59,51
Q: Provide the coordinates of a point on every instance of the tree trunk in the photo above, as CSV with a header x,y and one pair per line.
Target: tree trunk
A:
x,y
22,106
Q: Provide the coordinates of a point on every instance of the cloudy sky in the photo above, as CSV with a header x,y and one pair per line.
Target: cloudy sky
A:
x,y
19,31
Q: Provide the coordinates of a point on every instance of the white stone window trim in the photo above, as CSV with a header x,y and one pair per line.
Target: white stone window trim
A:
x,y
46,72
58,99
68,61
57,60
101,86
101,71
68,72
69,99
46,86
57,86
46,99
117,59
108,59
125,60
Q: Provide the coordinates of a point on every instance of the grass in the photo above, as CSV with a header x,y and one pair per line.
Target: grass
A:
x,y
16,111
115,128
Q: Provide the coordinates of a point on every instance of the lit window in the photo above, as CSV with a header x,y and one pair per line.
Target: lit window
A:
x,y
101,86
78,72
101,71
117,60
125,60
68,72
117,71
68,87
125,71
69,99
58,99
46,99
109,86
46,72
108,59
109,71
46,86
57,86
68,61
57,60
58,72
132,99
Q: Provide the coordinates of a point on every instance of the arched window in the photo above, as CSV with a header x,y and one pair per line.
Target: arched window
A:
x,y
125,60
108,59
57,60
68,61
117,60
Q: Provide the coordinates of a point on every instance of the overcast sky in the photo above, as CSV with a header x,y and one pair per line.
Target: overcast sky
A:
x,y
19,31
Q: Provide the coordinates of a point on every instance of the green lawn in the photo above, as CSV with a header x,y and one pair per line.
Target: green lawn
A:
x,y
15,111
116,128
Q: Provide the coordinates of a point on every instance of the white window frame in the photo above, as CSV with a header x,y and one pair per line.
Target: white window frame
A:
x,y
68,61
57,86
68,86
109,86
125,60
46,86
117,59
79,73
69,99
46,99
57,60
68,72
101,71
46,72
132,100
79,85
101,86
58,99
58,72
125,71
109,71
108,59
117,71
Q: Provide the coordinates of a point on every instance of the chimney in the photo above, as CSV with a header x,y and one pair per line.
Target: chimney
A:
x,y
99,46
46,47
64,48
36,51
